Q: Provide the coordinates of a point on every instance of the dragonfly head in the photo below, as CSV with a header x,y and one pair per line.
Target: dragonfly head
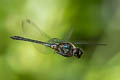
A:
x,y
77,52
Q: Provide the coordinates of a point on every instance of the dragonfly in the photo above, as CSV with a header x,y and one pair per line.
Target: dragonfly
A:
x,y
61,47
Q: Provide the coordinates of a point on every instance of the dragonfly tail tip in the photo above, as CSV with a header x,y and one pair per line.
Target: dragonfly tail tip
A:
x,y
15,37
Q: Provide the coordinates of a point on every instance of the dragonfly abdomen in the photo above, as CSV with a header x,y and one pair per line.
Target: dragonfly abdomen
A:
x,y
30,40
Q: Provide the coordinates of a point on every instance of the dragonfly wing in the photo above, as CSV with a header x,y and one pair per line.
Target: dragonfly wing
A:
x,y
31,30
89,43
55,40
68,34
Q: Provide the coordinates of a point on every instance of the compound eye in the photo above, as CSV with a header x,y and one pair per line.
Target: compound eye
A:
x,y
77,52
80,53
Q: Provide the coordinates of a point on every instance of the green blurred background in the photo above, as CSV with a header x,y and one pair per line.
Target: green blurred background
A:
x,y
93,20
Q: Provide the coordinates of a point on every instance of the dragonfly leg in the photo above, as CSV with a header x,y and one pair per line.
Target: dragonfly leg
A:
x,y
63,54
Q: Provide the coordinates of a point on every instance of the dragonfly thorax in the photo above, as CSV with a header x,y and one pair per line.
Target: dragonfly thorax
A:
x,y
67,49
64,49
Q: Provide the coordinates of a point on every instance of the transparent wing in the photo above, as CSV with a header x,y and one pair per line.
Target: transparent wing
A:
x,y
55,40
68,34
89,43
31,30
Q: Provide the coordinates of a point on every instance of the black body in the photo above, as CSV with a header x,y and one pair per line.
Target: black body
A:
x,y
65,49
